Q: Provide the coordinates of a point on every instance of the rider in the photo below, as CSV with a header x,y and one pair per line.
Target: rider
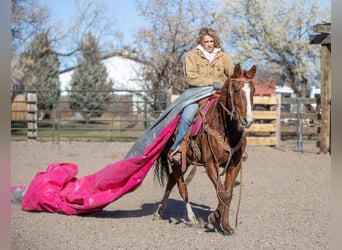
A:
x,y
205,65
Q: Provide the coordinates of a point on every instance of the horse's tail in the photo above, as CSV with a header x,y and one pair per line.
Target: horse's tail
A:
x,y
161,169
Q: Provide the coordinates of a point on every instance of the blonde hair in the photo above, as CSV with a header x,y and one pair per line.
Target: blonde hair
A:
x,y
209,32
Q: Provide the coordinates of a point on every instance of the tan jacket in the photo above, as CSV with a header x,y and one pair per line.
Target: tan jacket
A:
x,y
199,72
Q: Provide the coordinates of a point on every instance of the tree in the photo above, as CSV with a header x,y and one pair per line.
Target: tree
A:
x,y
89,85
40,72
29,17
27,20
171,34
90,16
275,35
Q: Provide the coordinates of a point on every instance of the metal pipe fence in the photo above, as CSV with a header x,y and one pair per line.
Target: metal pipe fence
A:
x,y
123,115
119,115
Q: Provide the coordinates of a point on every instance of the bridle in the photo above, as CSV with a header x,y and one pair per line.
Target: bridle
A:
x,y
233,113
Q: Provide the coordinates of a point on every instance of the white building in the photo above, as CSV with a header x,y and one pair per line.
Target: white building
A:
x,y
125,74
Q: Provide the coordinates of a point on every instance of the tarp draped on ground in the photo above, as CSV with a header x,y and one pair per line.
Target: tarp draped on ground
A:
x,y
59,190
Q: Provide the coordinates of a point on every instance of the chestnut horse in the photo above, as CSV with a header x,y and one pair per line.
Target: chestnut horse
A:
x,y
220,143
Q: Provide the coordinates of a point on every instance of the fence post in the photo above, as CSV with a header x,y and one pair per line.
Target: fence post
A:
x,y
278,123
32,116
299,125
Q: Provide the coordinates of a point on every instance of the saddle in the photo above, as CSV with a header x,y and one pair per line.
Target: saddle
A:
x,y
204,105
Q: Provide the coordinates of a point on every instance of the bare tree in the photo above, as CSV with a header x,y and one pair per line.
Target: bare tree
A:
x,y
163,44
275,34
27,20
90,16
169,36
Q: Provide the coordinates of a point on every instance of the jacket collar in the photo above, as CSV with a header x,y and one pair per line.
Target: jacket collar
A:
x,y
209,56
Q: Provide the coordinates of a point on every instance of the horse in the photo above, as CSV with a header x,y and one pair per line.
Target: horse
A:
x,y
219,146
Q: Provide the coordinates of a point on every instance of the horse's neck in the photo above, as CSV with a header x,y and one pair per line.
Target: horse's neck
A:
x,y
214,118
219,120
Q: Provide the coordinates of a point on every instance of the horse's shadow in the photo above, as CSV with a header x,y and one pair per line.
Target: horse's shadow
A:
x,y
174,213
175,210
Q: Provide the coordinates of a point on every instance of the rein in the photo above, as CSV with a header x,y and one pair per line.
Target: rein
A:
x,y
223,144
232,113
220,139
226,147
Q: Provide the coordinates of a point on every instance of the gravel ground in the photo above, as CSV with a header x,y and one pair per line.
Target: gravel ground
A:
x,y
285,204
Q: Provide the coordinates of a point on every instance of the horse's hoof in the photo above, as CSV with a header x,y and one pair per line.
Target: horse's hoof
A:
x,y
189,223
156,216
211,219
227,233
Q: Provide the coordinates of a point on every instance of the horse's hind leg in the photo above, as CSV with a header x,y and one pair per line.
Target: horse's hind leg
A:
x,y
169,186
183,191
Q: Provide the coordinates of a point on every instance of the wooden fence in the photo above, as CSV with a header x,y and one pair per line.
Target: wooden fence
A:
x,y
278,119
265,128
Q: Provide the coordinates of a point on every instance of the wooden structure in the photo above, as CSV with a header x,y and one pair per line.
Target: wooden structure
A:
x,y
32,116
324,39
19,108
266,127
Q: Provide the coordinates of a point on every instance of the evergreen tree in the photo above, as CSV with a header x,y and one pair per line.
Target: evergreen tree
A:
x,y
89,85
40,72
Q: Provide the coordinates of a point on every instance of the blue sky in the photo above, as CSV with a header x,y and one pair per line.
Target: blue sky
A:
x,y
123,13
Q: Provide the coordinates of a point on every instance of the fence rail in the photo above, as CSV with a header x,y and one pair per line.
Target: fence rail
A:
x,y
265,128
127,114
301,121
124,116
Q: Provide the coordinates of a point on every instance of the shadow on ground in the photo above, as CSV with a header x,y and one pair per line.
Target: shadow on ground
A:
x,y
175,210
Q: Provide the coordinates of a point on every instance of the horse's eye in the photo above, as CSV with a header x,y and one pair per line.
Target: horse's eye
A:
x,y
236,91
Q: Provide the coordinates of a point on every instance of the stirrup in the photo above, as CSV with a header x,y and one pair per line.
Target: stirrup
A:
x,y
175,156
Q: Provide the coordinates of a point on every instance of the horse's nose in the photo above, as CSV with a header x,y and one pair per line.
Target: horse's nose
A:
x,y
244,122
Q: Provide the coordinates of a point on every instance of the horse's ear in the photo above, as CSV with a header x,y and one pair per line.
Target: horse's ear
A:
x,y
237,70
251,72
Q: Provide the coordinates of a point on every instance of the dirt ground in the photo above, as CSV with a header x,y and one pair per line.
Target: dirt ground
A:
x,y
285,204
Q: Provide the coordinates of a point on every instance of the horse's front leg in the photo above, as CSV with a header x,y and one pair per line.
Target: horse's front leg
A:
x,y
213,175
230,178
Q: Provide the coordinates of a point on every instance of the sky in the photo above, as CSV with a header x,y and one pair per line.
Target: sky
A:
x,y
124,14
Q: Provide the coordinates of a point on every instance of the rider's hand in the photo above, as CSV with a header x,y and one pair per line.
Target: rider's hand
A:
x,y
217,85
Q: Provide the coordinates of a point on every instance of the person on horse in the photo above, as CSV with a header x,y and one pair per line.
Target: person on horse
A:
x,y
205,65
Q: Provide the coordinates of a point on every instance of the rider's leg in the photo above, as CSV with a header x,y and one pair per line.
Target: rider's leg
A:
x,y
184,124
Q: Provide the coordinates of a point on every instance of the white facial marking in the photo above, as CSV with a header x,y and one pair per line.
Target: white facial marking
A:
x,y
247,90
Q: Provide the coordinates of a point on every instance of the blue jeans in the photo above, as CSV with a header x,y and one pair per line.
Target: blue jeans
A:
x,y
184,123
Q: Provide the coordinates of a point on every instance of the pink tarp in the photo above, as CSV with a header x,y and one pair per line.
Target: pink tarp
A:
x,y
59,190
